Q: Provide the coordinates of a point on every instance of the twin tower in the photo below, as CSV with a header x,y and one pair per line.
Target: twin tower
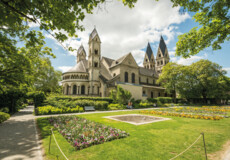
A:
x,y
162,57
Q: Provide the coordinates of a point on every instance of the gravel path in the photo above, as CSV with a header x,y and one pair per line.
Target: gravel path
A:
x,y
18,137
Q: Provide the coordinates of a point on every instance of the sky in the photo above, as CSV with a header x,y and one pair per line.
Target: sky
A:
x,y
123,30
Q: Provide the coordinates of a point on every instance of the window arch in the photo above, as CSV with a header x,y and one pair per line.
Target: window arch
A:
x,y
74,89
82,89
133,77
126,77
147,81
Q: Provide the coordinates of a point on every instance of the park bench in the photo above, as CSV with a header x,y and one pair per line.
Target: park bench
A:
x,y
89,108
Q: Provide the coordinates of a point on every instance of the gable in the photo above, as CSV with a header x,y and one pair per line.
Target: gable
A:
x,y
130,61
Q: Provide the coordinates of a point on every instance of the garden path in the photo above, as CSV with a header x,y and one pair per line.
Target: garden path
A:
x,y
18,140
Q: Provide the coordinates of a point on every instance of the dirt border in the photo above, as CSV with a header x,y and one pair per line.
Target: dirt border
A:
x,y
223,154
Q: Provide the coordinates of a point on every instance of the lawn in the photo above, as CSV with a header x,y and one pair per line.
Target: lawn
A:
x,y
159,140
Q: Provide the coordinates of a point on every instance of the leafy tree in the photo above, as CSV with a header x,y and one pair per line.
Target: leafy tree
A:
x,y
170,77
214,26
203,79
120,95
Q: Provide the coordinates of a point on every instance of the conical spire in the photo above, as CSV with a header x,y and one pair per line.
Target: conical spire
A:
x,y
93,34
162,46
80,49
149,51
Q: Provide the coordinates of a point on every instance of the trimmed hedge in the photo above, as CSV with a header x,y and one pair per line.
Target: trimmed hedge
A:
x,y
38,97
116,106
54,110
70,98
4,116
161,100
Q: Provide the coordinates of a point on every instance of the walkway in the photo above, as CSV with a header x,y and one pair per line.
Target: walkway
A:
x,y
18,137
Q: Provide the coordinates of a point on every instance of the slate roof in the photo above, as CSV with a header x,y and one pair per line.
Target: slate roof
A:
x,y
93,34
149,51
118,61
162,46
104,72
108,61
147,72
81,67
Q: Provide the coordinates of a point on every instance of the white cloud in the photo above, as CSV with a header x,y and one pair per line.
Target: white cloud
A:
x,y
188,61
123,30
227,69
64,68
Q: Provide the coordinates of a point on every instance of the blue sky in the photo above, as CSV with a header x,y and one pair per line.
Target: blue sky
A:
x,y
123,30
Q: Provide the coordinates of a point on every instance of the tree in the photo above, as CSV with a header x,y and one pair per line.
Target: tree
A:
x,y
203,79
120,95
214,26
170,77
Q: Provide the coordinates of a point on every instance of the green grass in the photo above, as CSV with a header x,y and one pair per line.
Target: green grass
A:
x,y
160,140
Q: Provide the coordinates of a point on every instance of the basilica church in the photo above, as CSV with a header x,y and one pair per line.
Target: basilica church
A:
x,y
97,75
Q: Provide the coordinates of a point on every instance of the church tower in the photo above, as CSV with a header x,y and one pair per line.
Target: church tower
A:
x,y
149,61
94,58
81,54
162,57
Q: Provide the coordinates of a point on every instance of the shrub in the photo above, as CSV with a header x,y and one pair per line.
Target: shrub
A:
x,y
5,110
4,116
165,99
70,98
55,110
120,95
38,97
145,105
152,100
116,106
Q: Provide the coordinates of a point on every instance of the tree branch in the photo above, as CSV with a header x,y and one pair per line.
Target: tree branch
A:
x,y
15,10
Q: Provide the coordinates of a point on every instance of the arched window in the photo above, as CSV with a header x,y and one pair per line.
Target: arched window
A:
x,y
96,51
126,77
133,77
67,90
154,81
82,89
74,89
151,94
147,81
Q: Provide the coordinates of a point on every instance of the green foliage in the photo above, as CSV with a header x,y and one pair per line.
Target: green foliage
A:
x,y
116,106
71,98
37,96
4,116
165,99
203,79
12,99
152,100
145,105
55,110
120,95
214,26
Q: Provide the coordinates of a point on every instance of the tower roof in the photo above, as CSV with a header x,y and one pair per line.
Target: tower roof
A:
x,y
162,46
80,49
149,51
93,34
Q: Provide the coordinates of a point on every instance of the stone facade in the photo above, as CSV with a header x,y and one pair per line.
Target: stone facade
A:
x,y
97,75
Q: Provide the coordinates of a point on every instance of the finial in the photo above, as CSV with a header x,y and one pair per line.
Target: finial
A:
x,y
94,26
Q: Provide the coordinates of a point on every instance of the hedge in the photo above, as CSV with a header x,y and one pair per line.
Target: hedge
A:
x,y
38,97
54,110
70,98
4,116
160,99
116,106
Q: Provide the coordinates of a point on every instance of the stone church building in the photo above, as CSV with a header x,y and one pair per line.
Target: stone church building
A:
x,y
97,75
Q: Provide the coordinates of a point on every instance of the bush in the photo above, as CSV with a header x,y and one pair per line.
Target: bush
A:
x,y
5,110
145,105
54,110
165,99
38,97
152,100
116,106
69,98
4,116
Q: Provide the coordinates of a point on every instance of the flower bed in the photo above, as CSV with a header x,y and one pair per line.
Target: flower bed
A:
x,y
82,133
186,115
